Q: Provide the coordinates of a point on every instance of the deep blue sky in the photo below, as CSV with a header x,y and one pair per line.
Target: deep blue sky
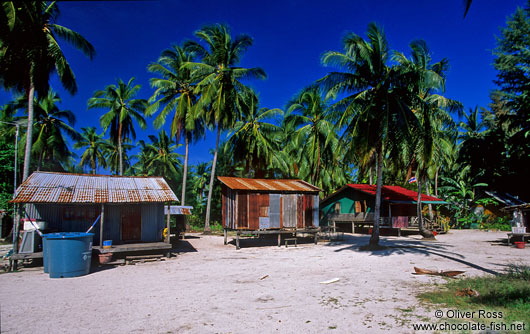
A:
x,y
289,39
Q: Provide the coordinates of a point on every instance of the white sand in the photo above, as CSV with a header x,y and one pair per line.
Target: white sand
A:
x,y
217,289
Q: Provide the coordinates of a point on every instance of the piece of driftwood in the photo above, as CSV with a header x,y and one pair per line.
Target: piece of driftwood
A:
x,y
445,273
333,280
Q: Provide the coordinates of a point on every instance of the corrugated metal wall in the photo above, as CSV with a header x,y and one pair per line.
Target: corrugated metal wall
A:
x,y
153,220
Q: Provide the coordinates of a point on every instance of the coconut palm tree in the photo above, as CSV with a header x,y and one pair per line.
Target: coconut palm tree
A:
x,y
202,171
308,113
175,91
116,159
124,109
51,125
219,83
93,154
254,141
431,109
375,111
163,159
30,53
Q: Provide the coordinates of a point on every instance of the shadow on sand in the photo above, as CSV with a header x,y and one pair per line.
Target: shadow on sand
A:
x,y
358,243
270,240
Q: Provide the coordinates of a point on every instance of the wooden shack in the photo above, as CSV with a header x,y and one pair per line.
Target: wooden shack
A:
x,y
130,209
262,206
353,205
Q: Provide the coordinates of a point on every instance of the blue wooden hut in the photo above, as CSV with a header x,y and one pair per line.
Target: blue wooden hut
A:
x,y
130,209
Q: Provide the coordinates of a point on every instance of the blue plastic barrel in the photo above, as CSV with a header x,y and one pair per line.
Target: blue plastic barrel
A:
x,y
68,254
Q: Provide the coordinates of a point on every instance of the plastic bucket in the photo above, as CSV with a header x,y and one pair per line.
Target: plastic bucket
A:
x,y
519,244
69,254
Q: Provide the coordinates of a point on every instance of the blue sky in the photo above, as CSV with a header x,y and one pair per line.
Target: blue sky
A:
x,y
289,39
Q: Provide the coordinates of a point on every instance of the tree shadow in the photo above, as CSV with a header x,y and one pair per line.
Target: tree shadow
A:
x,y
407,246
270,240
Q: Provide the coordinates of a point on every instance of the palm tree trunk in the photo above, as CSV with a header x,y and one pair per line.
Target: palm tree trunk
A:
x,y
119,149
428,192
370,177
29,132
41,157
318,164
212,176
93,165
424,232
436,183
374,239
185,176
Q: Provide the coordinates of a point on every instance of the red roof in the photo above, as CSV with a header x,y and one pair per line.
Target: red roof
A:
x,y
394,193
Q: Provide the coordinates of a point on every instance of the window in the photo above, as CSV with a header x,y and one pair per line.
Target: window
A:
x,y
81,213
337,207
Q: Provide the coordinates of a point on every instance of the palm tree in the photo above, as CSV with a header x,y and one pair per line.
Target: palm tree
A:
x,y
201,177
123,110
30,53
432,111
163,160
308,113
219,83
375,110
141,167
254,141
93,155
116,159
51,124
175,91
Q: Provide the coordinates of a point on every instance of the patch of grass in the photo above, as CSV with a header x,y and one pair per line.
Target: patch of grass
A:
x,y
215,228
508,293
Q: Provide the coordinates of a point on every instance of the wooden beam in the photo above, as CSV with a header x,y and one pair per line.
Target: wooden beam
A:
x,y
168,236
101,224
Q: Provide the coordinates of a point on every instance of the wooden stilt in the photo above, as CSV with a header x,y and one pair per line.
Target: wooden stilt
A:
x,y
226,235
237,240
279,239
101,224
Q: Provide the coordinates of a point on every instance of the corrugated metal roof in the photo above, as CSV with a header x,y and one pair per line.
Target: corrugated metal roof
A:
x,y
46,187
178,210
239,183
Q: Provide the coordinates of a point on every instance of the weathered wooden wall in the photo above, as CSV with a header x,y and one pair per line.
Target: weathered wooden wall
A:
x,y
258,210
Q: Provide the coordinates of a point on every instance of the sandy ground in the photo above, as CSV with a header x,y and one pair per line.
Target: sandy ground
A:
x,y
212,288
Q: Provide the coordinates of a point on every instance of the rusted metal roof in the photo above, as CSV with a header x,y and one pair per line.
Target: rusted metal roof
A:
x,y
178,210
239,183
46,187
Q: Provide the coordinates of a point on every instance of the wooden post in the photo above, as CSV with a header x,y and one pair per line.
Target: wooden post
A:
x,y
101,225
279,239
168,236
225,233
237,240
16,231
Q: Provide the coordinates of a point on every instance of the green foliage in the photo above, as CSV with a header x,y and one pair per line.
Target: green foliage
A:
x,y
123,110
508,293
7,168
498,223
